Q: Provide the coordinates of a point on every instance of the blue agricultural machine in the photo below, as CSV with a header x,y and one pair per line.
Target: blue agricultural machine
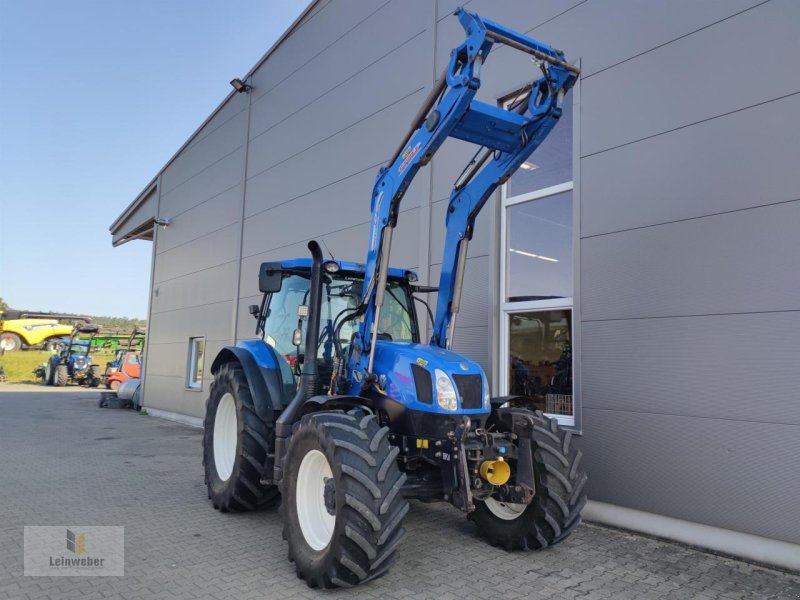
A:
x,y
341,412
73,361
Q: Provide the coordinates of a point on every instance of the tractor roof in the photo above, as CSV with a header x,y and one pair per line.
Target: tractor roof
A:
x,y
347,266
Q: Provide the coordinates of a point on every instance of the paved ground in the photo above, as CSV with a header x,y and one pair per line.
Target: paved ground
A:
x,y
65,461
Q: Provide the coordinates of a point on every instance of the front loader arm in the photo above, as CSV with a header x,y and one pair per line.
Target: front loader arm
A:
x,y
450,110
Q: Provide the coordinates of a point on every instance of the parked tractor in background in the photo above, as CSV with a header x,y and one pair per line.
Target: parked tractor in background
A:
x,y
342,411
73,361
21,330
127,362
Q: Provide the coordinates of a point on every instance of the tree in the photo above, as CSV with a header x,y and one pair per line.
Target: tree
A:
x,y
3,306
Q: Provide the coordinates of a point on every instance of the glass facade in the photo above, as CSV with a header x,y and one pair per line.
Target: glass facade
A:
x,y
539,249
540,359
538,276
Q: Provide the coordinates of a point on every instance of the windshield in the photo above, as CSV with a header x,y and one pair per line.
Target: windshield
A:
x,y
78,350
341,293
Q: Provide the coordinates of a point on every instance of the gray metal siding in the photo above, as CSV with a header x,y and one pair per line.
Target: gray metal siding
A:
x,y
732,474
734,262
687,195
693,78
682,174
689,221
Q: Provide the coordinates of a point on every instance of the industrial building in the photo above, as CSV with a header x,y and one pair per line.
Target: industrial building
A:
x,y
637,277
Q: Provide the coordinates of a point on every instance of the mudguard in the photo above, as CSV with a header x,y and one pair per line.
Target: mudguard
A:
x,y
262,379
345,403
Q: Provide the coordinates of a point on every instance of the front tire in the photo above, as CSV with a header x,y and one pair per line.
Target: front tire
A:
x,y
342,502
60,376
94,376
235,445
560,495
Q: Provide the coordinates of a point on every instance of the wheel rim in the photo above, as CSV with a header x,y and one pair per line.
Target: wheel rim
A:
x,y
508,511
226,432
316,522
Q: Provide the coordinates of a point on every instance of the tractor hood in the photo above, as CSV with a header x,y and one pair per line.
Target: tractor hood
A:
x,y
407,373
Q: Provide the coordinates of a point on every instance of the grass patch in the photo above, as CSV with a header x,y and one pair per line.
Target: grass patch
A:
x,y
19,365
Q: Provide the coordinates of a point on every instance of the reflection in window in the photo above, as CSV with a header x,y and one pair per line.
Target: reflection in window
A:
x,y
540,359
551,162
194,375
539,249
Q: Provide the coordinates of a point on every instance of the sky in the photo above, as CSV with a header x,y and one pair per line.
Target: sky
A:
x,y
95,97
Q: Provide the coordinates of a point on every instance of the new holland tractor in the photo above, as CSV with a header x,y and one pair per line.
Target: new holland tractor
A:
x,y
340,412
73,361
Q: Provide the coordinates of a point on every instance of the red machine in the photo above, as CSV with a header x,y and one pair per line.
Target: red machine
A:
x,y
127,362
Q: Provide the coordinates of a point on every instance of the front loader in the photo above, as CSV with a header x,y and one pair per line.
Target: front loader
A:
x,y
341,412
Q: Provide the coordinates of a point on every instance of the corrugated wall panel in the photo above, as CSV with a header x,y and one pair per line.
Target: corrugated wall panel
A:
x,y
732,474
336,158
737,366
212,321
211,250
218,144
693,79
734,262
215,213
682,174
215,179
217,284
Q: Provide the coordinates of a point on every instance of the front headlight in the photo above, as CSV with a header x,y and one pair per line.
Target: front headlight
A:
x,y
445,392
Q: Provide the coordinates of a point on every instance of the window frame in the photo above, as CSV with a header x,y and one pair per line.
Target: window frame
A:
x,y
508,308
193,382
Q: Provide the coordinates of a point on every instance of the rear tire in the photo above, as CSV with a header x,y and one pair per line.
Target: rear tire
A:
x,y
10,341
560,495
342,499
235,445
60,376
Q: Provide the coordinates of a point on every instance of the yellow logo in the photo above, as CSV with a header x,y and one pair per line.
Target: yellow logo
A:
x,y
422,362
76,542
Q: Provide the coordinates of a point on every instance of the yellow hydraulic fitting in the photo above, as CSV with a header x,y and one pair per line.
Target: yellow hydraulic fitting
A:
x,y
496,472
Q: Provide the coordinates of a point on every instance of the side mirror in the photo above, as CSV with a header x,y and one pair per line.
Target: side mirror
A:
x,y
269,278
297,337
253,310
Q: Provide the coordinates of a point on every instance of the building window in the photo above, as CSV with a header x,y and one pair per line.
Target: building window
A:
x,y
194,370
537,276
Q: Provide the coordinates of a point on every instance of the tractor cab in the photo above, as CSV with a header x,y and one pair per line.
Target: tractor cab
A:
x,y
284,310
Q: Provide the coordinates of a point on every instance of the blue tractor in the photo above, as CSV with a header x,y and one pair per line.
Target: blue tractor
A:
x,y
73,361
341,412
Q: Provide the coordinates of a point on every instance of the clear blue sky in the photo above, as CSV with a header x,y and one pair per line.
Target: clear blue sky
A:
x,y
95,96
